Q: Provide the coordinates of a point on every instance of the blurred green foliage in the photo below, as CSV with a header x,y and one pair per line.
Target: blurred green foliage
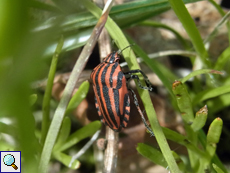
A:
x,y
29,34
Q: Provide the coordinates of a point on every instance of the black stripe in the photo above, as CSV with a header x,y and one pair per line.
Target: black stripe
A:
x,y
119,80
127,112
112,59
98,109
98,91
116,100
106,97
107,58
123,125
122,117
95,99
111,74
127,104
125,119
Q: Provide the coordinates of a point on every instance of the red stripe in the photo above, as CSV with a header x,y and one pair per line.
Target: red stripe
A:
x,y
110,121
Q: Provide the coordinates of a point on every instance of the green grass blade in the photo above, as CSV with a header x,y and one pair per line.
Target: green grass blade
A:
x,y
198,72
203,140
179,162
190,27
214,132
213,138
66,159
152,154
214,32
63,134
73,41
221,11
48,91
210,93
217,169
79,25
78,97
124,15
44,6
222,59
182,140
214,104
185,106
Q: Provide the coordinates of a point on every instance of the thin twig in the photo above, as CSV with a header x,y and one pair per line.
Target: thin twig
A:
x,y
86,147
219,24
112,138
110,157
165,53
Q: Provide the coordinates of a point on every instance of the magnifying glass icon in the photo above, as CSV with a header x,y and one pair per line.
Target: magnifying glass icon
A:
x,y
9,160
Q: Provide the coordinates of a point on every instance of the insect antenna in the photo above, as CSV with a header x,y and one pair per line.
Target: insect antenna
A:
x,y
120,51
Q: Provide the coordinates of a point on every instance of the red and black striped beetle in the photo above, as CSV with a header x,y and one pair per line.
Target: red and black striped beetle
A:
x,y
111,92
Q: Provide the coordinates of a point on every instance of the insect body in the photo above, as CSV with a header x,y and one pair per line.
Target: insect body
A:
x,y
111,93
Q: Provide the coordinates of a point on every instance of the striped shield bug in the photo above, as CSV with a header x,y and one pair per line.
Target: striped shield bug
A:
x,y
112,94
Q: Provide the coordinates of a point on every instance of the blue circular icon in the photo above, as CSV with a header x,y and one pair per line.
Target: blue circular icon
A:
x,y
8,159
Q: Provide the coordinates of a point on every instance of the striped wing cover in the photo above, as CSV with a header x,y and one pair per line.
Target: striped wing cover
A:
x,y
111,95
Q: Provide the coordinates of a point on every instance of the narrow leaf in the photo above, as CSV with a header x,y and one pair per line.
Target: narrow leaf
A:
x,y
63,134
65,159
214,104
214,131
198,72
222,59
191,29
217,169
80,134
78,97
200,119
210,93
48,91
179,161
183,101
213,138
152,154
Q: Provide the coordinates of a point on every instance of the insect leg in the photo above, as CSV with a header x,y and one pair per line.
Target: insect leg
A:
x,y
130,75
140,112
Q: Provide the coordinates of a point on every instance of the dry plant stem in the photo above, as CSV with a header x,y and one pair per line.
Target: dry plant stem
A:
x,y
60,111
110,156
164,53
104,44
85,148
